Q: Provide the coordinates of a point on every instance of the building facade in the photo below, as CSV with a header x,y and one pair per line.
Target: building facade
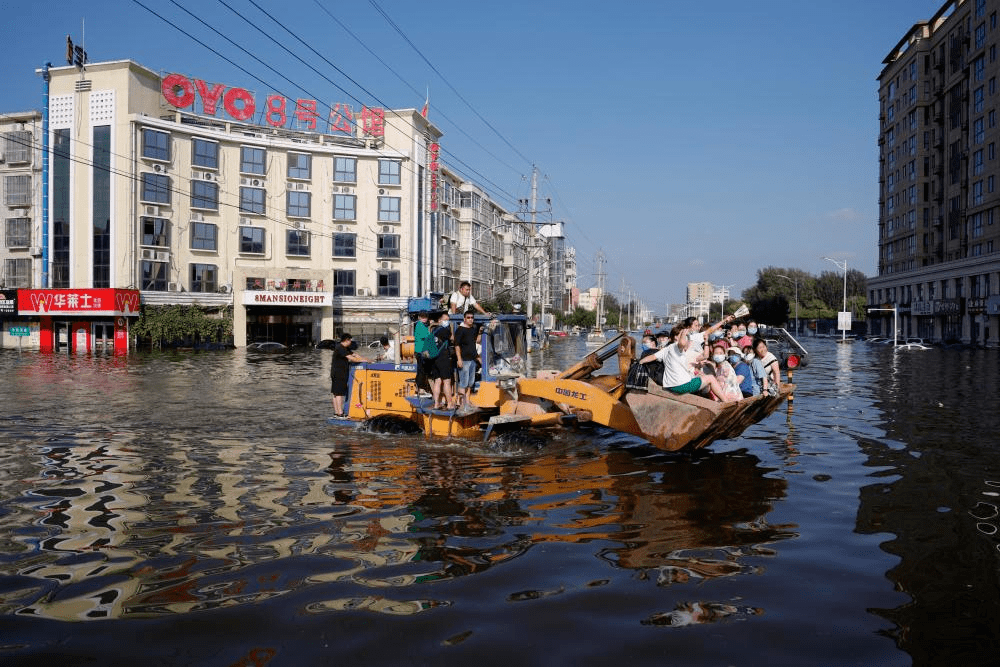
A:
x,y
306,220
939,180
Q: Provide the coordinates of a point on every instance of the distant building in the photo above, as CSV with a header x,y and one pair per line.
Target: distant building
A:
x,y
939,179
699,299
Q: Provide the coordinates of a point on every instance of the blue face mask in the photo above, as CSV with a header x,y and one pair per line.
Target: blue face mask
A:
x,y
752,330
734,358
713,336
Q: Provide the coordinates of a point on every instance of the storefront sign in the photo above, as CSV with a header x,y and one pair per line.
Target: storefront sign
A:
x,y
434,167
993,305
8,303
108,302
976,305
240,104
312,299
19,331
923,307
947,307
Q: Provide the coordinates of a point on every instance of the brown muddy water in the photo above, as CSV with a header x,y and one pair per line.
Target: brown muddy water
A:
x,y
196,509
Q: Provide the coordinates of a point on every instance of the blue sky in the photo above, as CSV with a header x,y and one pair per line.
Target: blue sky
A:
x,y
659,128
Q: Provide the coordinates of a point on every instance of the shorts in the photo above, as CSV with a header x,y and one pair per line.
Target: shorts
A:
x,y
689,387
467,374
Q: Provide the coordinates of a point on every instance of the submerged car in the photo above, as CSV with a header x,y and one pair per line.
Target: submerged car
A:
x,y
267,346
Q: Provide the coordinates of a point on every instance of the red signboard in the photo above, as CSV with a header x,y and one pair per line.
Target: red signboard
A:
x,y
239,104
107,302
434,166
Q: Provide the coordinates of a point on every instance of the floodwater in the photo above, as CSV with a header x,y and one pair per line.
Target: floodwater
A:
x,y
196,509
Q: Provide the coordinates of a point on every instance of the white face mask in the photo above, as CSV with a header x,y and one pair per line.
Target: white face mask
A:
x,y
742,333
718,358
748,356
752,330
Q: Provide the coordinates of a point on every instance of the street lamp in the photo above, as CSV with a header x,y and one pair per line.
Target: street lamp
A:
x,y
796,283
844,267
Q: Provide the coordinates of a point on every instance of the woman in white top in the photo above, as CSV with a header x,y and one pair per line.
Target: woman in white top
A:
x,y
677,376
772,369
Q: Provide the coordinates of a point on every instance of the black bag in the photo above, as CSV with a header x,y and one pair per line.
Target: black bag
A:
x,y
654,369
638,376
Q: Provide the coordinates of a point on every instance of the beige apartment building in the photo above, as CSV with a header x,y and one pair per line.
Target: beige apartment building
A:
x,y
939,178
306,218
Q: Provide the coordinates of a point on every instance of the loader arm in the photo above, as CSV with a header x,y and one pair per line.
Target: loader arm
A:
x,y
583,399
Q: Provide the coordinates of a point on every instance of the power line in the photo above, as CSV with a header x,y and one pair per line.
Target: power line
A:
x,y
447,83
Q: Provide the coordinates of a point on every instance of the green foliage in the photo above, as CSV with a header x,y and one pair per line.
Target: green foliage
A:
x,y
580,317
175,325
498,304
819,297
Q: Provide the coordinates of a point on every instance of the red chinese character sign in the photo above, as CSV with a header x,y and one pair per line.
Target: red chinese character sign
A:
x,y
240,104
434,167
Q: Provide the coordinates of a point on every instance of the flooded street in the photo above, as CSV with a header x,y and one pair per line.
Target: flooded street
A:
x,y
196,509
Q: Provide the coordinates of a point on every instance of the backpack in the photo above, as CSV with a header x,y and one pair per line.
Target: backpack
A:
x,y
638,377
431,349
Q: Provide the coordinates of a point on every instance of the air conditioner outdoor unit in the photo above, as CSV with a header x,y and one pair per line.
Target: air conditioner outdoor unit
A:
x,y
209,176
196,216
386,229
508,283
300,186
256,182
340,228
224,289
245,221
20,213
363,291
159,168
148,254
152,210
173,287
35,251
162,257
385,265
381,191
298,224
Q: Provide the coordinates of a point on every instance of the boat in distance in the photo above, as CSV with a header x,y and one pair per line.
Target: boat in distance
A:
x,y
385,396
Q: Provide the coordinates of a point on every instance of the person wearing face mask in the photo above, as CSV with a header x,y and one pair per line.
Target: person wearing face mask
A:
x,y
747,386
677,375
725,374
747,334
756,368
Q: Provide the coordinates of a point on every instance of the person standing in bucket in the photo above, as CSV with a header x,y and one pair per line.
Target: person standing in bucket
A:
x,y
466,356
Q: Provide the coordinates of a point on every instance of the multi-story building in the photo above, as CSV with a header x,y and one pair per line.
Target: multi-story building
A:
x,y
939,179
21,199
306,220
699,299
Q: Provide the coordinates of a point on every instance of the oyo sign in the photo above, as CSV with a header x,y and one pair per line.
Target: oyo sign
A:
x,y
239,104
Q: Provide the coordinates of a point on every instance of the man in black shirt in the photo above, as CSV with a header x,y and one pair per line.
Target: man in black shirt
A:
x,y
466,355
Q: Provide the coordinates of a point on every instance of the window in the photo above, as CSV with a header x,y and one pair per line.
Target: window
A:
x,y
991,151
204,153
252,200
156,145
388,283
980,8
343,283
154,276
204,278
977,193
388,172
979,68
980,35
297,243
18,190
978,132
255,284
17,233
204,236
345,207
17,146
300,166
345,245
388,209
977,162
298,204
17,272
388,246
155,188
156,232
252,240
345,170
978,96
989,183
205,195
252,160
